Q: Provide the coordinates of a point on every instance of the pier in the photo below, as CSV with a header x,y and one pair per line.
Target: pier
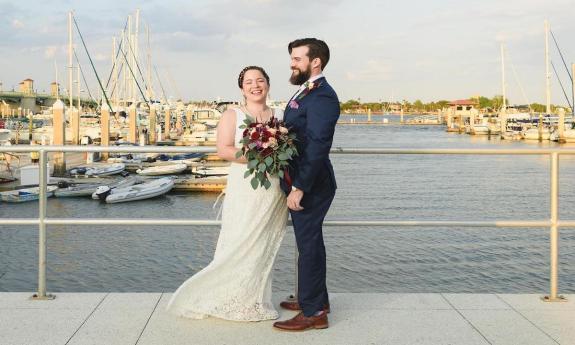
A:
x,y
356,318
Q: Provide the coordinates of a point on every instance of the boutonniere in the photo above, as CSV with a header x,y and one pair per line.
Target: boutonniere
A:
x,y
293,104
309,87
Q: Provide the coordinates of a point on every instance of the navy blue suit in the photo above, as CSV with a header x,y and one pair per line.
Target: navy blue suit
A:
x,y
313,120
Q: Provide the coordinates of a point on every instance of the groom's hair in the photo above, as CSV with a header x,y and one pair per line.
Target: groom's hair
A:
x,y
317,49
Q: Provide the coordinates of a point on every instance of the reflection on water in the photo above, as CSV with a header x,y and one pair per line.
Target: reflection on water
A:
x,y
371,187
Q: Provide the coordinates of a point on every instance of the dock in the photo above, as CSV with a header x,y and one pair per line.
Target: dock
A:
x,y
380,123
356,318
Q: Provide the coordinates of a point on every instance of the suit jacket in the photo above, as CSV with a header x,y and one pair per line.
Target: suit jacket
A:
x,y
313,118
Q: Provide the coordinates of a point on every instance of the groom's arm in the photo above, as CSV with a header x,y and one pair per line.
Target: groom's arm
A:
x,y
322,115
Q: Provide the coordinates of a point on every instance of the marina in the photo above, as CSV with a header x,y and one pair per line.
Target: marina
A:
x,y
452,221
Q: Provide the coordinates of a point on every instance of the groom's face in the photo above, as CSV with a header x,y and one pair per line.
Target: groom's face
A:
x,y
300,65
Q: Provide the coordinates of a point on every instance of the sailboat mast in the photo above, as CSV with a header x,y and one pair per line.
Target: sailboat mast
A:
x,y
504,106
115,86
78,85
547,73
149,74
124,88
135,51
70,66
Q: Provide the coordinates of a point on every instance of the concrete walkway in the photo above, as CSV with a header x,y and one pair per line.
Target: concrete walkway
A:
x,y
140,318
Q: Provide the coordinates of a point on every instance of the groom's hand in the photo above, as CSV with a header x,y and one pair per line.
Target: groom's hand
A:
x,y
294,199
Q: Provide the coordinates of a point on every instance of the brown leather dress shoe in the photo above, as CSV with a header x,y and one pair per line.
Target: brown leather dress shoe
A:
x,y
301,323
289,305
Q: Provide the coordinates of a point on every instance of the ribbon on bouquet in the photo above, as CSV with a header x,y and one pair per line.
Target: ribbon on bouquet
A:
x,y
287,178
220,197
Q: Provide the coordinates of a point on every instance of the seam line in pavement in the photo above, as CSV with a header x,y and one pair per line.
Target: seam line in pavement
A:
x,y
523,316
87,317
148,320
464,318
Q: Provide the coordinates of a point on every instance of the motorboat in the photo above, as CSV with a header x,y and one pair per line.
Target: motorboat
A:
x,y
99,170
121,183
67,189
141,191
169,169
212,171
25,194
533,134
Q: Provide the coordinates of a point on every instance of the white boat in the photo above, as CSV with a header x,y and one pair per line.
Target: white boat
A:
x,y
142,191
66,189
512,136
568,135
121,183
216,171
26,194
169,169
533,134
99,170
4,134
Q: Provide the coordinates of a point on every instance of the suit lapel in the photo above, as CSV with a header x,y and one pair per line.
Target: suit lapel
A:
x,y
289,109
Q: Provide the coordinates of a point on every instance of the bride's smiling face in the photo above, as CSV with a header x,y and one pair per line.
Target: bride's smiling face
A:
x,y
255,86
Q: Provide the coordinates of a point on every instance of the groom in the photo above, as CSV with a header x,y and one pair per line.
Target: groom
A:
x,y
312,114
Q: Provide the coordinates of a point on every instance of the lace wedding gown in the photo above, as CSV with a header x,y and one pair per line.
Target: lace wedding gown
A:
x,y
236,285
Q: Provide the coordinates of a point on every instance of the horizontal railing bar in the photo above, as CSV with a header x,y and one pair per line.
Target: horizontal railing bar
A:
x,y
535,151
336,150
19,221
418,223
128,221
114,149
342,223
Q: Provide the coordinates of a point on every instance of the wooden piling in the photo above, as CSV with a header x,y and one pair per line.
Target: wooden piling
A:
x,y
133,130
58,138
152,122
75,125
167,123
105,129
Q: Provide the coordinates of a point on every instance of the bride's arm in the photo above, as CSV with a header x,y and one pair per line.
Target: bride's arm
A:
x,y
226,135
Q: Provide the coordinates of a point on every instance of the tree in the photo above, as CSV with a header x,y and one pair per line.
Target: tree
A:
x,y
418,105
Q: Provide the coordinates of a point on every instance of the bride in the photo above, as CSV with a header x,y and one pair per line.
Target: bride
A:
x,y
236,285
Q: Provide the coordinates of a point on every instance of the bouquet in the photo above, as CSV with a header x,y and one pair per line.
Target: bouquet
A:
x,y
267,147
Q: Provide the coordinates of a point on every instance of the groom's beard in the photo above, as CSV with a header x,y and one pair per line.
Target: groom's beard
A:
x,y
301,77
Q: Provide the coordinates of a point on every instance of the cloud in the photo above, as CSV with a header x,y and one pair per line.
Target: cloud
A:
x,y
17,24
50,52
374,70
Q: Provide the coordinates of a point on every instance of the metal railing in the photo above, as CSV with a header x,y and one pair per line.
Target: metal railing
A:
x,y
42,221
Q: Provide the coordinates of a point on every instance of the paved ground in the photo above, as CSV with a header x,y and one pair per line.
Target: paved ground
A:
x,y
140,318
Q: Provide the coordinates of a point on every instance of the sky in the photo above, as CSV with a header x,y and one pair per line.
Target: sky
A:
x,y
380,50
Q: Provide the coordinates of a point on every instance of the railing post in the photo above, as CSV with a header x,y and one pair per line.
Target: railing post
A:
x,y
42,201
554,233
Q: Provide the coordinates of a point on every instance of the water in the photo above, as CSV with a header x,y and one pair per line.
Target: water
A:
x,y
374,187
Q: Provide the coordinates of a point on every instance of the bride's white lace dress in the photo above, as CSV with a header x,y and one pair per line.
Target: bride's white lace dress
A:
x,y
236,285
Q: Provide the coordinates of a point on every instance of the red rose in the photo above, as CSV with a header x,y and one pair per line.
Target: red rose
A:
x,y
255,136
265,136
267,151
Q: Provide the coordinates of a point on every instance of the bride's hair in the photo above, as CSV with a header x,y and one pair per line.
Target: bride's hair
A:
x,y
248,68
